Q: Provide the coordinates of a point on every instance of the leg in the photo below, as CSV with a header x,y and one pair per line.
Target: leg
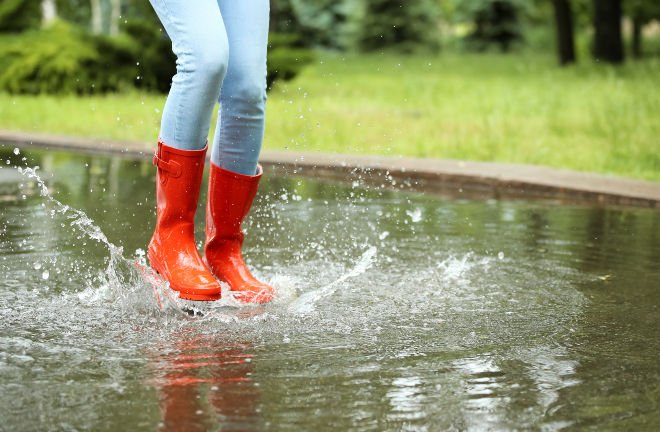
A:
x,y
241,120
235,175
200,43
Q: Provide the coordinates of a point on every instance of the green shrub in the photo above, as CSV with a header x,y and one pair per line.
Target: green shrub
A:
x,y
286,57
141,50
19,15
320,23
66,59
47,61
497,22
405,26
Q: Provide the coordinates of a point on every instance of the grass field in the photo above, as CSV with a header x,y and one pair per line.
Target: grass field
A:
x,y
520,108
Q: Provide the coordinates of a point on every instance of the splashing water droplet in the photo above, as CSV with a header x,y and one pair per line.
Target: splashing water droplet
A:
x,y
415,216
500,255
45,274
37,266
16,151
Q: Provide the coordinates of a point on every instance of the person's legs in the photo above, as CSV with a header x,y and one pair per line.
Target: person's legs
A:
x,y
200,43
241,120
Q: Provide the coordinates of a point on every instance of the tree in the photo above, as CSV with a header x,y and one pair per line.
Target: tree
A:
x,y
97,17
405,26
565,39
115,13
608,42
48,11
641,12
319,23
496,22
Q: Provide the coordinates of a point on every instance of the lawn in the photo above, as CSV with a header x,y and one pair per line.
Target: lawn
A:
x,y
520,108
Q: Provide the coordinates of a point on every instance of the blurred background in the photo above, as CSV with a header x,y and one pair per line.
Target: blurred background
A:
x,y
562,83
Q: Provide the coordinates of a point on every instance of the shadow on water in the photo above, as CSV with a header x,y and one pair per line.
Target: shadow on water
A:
x,y
397,311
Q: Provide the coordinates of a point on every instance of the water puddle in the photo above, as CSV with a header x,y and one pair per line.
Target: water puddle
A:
x,y
395,311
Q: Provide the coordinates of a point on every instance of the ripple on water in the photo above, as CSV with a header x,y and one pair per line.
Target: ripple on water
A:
x,y
436,323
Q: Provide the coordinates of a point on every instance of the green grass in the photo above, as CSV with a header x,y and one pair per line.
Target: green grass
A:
x,y
520,108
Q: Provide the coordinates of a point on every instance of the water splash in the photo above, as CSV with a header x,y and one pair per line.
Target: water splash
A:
x,y
134,285
454,269
307,302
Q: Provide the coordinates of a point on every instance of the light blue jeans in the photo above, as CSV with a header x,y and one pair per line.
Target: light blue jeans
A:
x,y
221,56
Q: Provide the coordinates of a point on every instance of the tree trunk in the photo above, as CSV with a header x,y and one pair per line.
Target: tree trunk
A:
x,y
48,12
637,38
608,43
97,17
565,39
115,13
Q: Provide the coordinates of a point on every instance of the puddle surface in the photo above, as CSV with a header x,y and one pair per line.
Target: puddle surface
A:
x,y
397,311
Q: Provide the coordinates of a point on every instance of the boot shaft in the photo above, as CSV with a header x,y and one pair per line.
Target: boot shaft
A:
x,y
229,201
179,181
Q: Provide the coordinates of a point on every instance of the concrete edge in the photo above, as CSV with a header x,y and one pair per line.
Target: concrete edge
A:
x,y
458,179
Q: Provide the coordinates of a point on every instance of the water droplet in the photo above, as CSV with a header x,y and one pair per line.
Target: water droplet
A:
x,y
45,275
286,340
157,110
37,266
16,151
500,255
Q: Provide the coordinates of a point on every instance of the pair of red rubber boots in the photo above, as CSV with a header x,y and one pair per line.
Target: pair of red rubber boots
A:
x,y
172,250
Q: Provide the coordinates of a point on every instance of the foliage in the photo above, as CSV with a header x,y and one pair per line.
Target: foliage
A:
x,y
320,23
19,15
65,59
642,10
49,61
78,12
286,57
157,62
405,26
496,22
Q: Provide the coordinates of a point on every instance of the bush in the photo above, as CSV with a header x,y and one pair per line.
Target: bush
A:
x,y
66,59
405,26
286,57
49,61
497,22
320,23
19,15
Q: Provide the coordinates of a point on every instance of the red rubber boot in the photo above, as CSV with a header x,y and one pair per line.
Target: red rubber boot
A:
x,y
172,250
229,201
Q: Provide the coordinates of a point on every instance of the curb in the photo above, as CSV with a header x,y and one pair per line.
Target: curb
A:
x,y
455,179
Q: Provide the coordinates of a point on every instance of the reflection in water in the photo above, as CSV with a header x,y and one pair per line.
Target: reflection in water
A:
x,y
204,383
428,314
